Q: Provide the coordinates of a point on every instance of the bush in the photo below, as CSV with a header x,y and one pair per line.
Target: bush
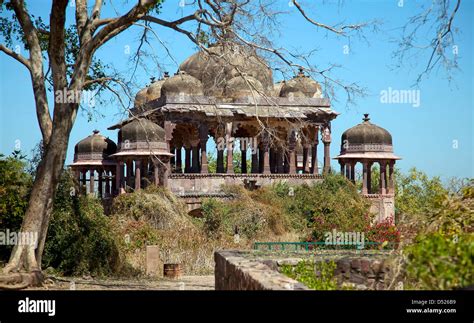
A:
x,y
80,237
438,261
332,204
319,276
15,187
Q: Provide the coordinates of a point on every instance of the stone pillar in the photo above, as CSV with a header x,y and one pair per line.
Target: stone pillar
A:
x,y
266,155
91,181
365,177
353,167
169,128
348,169
229,141
203,133
255,161
138,178
369,177
279,160
119,180
195,156
292,152
314,155
100,191
391,182
173,158
84,180
306,158
187,159
383,185
113,182
243,154
326,139
178,159
341,163
261,158
129,172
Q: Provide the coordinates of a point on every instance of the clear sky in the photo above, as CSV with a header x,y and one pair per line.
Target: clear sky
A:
x,y
436,137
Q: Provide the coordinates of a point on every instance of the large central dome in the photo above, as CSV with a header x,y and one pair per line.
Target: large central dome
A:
x,y
223,62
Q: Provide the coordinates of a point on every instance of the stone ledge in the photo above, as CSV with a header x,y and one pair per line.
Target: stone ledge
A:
x,y
235,271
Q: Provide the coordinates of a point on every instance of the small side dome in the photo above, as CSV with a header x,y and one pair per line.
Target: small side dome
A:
x,y
301,86
142,137
243,86
93,149
141,129
366,133
182,83
154,90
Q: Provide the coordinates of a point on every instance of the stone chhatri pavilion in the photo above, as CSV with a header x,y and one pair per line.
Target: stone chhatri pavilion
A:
x,y
225,95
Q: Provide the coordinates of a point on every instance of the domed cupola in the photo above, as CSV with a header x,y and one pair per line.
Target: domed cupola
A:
x,y
154,90
367,139
243,86
142,137
182,83
301,86
94,150
224,61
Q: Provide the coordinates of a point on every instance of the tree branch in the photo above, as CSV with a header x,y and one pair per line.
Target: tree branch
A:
x,y
16,56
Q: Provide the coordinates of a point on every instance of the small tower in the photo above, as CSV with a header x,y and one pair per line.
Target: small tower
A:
x,y
367,143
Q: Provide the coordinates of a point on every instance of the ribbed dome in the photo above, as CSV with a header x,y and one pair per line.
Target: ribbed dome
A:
x,y
141,98
243,86
142,130
225,61
182,83
301,86
154,90
94,147
366,133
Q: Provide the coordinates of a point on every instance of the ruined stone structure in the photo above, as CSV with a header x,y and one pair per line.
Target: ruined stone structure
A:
x,y
223,97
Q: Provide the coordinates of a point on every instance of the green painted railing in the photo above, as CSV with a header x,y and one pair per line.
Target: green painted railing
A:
x,y
308,246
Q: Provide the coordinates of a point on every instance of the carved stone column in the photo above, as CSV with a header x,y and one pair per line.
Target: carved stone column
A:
x,y
365,177
156,173
383,169
195,156
255,161
100,190
266,154
187,158
203,133
369,177
326,139
138,177
230,145
314,156
292,148
91,181
391,182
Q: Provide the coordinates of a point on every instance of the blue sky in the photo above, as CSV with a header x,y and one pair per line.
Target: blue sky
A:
x,y
436,137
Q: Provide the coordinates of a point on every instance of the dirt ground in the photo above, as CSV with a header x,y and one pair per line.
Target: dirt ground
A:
x,y
81,283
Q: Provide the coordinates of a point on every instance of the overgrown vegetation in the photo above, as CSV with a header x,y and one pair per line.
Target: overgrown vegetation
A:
x,y
434,225
319,275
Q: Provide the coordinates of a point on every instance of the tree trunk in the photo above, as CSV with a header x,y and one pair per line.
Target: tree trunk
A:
x,y
36,220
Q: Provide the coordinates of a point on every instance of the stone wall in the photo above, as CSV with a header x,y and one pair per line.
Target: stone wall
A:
x,y
257,270
212,183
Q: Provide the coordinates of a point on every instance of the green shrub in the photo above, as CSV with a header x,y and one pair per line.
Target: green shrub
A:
x,y
15,187
319,276
438,261
80,237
